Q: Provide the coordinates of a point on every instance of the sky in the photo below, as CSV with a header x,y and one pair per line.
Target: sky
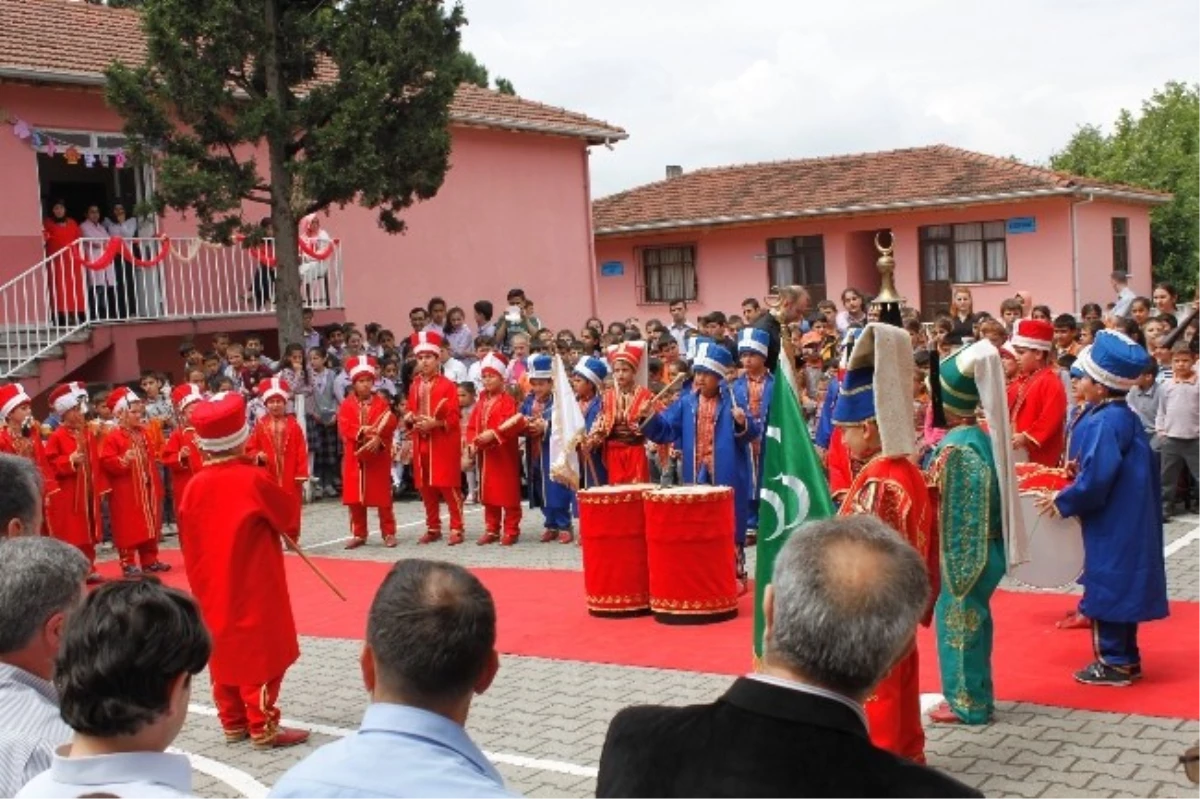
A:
x,y
708,83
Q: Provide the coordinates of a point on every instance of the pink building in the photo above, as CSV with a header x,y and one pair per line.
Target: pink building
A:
x,y
515,209
717,236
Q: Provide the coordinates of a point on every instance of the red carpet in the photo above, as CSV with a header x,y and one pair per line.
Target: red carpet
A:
x,y
542,614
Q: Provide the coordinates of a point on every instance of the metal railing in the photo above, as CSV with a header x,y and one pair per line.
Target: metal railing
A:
x,y
148,279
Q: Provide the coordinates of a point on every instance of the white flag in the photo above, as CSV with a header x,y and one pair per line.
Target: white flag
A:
x,y
567,429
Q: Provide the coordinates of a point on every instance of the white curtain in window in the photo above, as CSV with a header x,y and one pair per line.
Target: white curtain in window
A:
x,y
997,261
937,262
968,262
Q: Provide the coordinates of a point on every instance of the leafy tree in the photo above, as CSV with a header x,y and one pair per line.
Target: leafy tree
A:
x,y
468,69
504,86
295,105
1160,149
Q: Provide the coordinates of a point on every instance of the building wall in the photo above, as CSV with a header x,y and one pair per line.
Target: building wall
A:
x,y
731,262
515,210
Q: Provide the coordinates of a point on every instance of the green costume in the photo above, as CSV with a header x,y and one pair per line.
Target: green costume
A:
x,y
972,563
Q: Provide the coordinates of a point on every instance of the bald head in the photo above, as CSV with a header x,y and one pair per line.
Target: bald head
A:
x,y
848,594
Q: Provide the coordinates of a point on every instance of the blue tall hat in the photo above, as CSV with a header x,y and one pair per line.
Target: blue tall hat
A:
x,y
594,370
541,367
877,386
752,339
694,343
713,359
1114,360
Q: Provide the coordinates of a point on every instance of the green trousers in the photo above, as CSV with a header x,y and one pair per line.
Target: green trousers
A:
x,y
964,642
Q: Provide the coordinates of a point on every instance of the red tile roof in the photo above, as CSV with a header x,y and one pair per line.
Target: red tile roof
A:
x,y
66,41
846,184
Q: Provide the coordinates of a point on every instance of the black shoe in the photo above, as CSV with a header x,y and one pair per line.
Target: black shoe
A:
x,y
1135,672
131,571
1101,674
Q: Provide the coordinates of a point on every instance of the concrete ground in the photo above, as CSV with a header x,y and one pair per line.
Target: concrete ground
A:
x,y
543,721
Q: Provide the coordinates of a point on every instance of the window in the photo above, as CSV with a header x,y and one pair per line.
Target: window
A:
x,y
969,253
668,273
798,260
1120,238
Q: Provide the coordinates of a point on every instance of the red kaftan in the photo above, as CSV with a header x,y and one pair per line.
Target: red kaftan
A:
x,y
75,507
67,281
182,456
436,455
366,477
135,487
282,442
624,450
31,447
499,461
894,490
1038,407
234,562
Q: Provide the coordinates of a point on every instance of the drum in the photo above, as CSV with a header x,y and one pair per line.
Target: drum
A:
x,y
690,552
1055,548
612,535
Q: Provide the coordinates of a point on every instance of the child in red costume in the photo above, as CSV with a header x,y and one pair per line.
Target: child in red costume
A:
x,y
181,454
135,489
1037,399
367,425
235,568
494,433
20,434
73,451
615,432
278,443
433,418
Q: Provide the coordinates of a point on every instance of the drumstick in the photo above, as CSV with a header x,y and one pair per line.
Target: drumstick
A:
x,y
304,557
655,399
509,423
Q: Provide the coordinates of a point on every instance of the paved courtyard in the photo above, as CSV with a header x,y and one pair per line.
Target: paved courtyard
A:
x,y
543,721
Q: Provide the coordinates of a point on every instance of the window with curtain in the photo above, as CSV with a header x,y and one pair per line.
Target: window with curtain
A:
x,y
1120,244
798,260
972,252
668,274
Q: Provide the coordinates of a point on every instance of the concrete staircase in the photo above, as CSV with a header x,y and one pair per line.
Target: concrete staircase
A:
x,y
38,357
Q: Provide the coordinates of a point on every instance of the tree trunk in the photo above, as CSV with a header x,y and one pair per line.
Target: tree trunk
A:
x,y
288,306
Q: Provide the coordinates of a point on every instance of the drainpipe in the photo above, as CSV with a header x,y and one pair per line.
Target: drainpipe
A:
x,y
593,280
1075,250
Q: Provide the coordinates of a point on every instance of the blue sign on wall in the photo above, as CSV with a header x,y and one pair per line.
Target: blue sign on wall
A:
x,y
612,268
1022,224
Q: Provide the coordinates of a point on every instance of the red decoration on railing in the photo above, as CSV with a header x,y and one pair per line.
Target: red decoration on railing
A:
x,y
312,252
117,246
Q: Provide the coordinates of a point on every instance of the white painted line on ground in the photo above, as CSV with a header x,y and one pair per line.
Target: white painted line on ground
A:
x,y
1181,542
536,764
405,526
235,778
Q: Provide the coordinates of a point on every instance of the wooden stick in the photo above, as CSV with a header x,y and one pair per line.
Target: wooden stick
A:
x,y
287,539
510,423
657,397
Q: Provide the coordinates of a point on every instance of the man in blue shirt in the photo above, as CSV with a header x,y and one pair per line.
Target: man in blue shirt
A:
x,y
431,646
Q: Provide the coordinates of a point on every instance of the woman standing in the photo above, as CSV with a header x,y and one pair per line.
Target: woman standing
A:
x,y
853,310
122,225
65,277
963,312
1166,301
102,282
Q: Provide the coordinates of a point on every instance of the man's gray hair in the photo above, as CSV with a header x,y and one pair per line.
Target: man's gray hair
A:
x,y
849,593
20,491
39,577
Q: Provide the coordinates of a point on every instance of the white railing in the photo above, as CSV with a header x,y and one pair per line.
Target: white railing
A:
x,y
148,279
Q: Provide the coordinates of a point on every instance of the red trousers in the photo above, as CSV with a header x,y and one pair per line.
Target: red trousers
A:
x,y
512,519
249,708
147,553
626,463
894,711
432,496
358,520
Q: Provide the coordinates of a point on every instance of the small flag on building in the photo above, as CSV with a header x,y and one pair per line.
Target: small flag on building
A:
x,y
794,489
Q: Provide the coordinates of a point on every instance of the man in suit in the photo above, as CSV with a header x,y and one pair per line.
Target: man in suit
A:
x,y
793,306
846,597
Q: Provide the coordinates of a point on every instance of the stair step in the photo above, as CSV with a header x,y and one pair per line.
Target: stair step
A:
x,y
22,352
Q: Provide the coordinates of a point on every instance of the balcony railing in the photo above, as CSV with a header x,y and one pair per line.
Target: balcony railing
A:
x,y
109,281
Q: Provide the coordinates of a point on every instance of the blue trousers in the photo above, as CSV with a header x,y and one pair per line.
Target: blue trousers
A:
x,y
557,518
1116,643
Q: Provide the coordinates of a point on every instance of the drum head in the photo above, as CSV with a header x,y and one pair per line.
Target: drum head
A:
x,y
700,493
619,489
1055,549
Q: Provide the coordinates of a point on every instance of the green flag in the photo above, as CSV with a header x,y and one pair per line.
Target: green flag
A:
x,y
794,489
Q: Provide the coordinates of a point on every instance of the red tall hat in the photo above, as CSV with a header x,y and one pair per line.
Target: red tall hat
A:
x,y
220,422
273,387
427,341
361,365
494,362
185,394
121,398
66,396
1034,334
12,396
631,352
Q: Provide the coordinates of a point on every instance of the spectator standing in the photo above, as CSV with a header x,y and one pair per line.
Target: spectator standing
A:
x,y
65,273
1144,398
462,342
436,312
430,648
41,584
484,325
1125,295
680,326
853,310
963,313
154,638
451,367
324,446
842,609
1178,423
102,283
126,277
793,306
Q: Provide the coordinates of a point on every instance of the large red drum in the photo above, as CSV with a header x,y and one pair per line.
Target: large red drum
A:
x,y
612,533
690,551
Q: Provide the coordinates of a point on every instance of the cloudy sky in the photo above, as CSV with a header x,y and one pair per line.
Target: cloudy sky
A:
x,y
705,82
